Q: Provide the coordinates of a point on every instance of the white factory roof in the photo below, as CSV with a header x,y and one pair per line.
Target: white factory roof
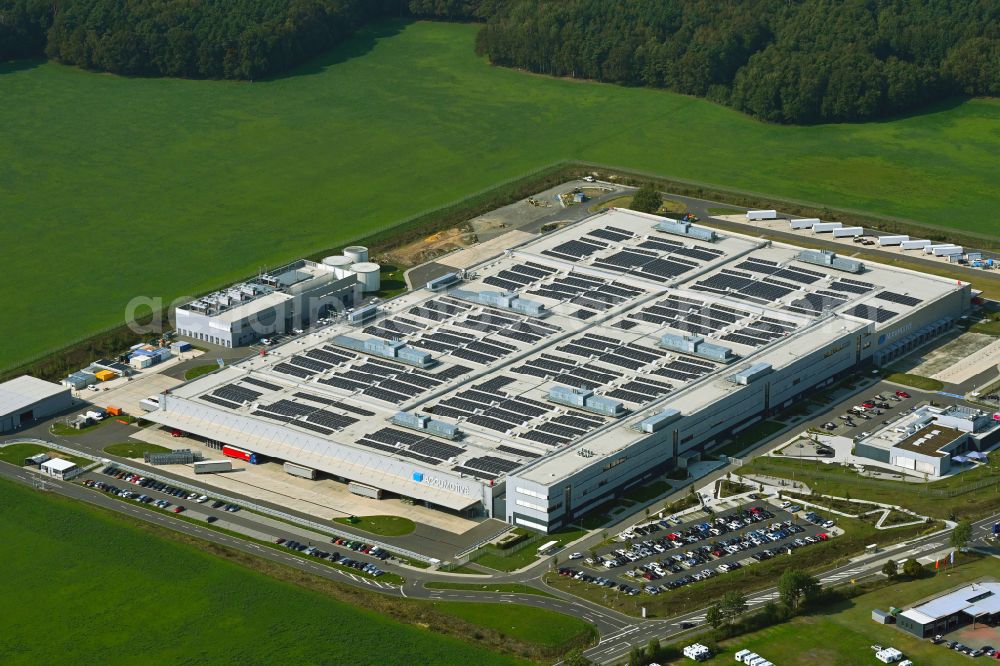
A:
x,y
612,286
24,391
58,464
975,599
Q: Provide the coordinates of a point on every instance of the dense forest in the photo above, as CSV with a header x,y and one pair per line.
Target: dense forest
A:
x,y
793,62
804,61
233,39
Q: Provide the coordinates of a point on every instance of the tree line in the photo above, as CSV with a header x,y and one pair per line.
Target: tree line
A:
x,y
799,62
802,62
232,39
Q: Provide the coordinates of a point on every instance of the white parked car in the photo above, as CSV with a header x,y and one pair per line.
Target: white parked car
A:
x,y
576,556
297,331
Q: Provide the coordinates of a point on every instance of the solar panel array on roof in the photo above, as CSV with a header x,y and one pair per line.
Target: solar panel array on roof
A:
x,y
872,313
236,393
492,464
262,384
902,299
816,303
220,402
575,250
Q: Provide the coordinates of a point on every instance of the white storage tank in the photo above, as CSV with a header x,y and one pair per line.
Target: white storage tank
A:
x,y
368,275
340,264
358,254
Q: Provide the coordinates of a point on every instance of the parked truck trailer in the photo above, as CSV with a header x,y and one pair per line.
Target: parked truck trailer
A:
x,y
299,470
824,227
240,454
762,215
846,232
211,466
364,491
892,240
804,223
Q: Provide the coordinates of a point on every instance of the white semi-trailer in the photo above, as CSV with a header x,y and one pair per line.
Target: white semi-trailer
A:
x,y
914,244
364,491
824,227
949,251
762,215
847,232
892,240
299,470
211,466
804,223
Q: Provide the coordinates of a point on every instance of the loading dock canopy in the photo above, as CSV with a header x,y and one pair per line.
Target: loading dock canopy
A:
x,y
322,458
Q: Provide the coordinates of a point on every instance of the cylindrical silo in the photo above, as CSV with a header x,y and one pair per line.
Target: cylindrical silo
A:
x,y
358,254
368,275
340,264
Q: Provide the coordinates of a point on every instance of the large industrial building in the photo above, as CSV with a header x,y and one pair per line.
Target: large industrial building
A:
x,y
548,380
25,399
281,300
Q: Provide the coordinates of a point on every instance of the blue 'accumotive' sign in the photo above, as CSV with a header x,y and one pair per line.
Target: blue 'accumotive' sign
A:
x,y
881,339
418,476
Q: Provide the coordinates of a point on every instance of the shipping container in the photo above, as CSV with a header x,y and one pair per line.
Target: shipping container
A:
x,y
141,362
241,454
105,375
210,466
762,215
114,411
364,491
892,240
299,470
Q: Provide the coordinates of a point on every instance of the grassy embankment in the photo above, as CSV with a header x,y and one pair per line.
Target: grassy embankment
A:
x,y
15,454
972,494
232,594
89,157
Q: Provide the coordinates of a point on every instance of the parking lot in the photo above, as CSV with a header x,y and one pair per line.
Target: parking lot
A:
x,y
143,490
865,413
661,555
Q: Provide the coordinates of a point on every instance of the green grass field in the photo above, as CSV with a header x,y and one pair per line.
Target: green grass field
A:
x,y
206,181
512,588
15,454
104,590
383,525
200,370
841,635
134,449
534,625
967,499
916,381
